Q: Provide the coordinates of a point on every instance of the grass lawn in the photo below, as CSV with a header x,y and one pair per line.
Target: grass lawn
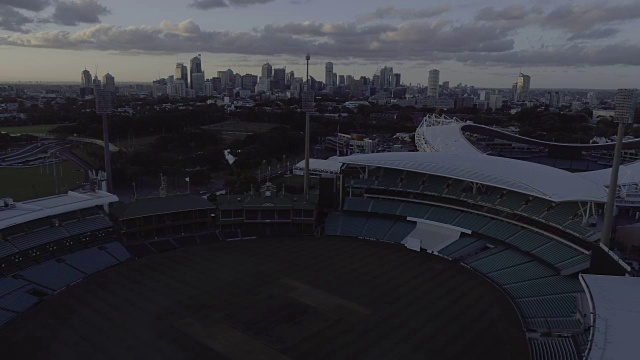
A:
x,y
31,129
28,183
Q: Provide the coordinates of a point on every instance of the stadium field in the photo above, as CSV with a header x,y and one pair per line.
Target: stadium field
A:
x,y
294,298
29,129
33,182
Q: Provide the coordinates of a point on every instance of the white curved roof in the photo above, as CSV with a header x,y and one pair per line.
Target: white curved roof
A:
x,y
628,174
53,205
614,300
448,138
530,178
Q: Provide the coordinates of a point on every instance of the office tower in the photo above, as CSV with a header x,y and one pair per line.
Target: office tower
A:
x,y
495,101
289,78
348,80
263,85
216,82
196,68
249,82
181,73
278,82
593,100
386,77
159,88
267,71
328,75
85,78
341,80
181,88
334,81
208,88
197,83
445,86
227,78
96,82
433,83
522,87
396,80
109,83
375,81
514,91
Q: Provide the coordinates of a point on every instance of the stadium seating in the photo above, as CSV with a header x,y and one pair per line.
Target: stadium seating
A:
x,y
352,225
7,249
527,240
377,228
90,260
357,204
87,225
19,300
552,349
118,251
499,230
461,243
9,284
5,316
385,207
443,215
537,207
548,307
414,210
473,222
552,285
52,275
556,253
562,213
435,184
39,237
513,201
399,231
412,181
332,224
524,272
500,260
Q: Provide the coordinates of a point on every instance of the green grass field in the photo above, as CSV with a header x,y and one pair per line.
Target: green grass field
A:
x,y
31,129
29,183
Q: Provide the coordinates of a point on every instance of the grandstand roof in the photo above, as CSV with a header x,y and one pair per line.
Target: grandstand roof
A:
x,y
161,205
530,178
53,205
615,303
328,166
449,138
628,174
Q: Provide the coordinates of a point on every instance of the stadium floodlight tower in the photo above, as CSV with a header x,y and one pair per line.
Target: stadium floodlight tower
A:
x,y
626,100
104,106
307,106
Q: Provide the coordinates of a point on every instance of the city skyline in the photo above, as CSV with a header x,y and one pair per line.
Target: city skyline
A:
x,y
561,45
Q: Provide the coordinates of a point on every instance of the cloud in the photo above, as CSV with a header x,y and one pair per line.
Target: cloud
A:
x,y
410,41
579,17
509,13
74,12
214,4
31,5
391,13
13,20
569,55
594,34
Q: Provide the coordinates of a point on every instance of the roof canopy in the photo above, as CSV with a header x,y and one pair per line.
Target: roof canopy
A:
x,y
53,205
615,302
529,178
161,205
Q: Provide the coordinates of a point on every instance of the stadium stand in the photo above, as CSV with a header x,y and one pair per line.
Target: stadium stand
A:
x,y
87,225
23,289
548,307
399,231
552,349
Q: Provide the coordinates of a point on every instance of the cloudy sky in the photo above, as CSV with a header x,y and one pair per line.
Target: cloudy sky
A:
x,y
560,43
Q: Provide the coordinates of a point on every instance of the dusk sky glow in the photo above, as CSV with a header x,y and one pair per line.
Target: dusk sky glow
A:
x,y
579,44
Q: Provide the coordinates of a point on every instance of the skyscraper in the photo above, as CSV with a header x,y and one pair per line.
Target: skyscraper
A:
x,y
196,68
386,77
279,76
182,74
396,80
197,83
328,75
522,87
181,87
227,78
348,79
267,71
341,80
433,83
109,83
591,97
85,78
